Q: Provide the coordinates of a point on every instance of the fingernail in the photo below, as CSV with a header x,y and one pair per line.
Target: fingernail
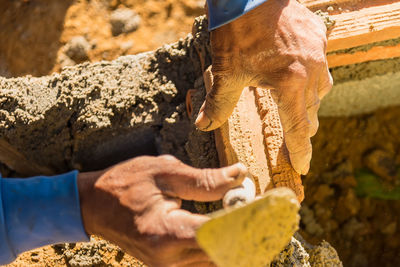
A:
x,y
305,169
202,122
236,171
301,161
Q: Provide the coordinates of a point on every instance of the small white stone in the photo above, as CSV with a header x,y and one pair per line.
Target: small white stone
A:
x,y
124,20
77,49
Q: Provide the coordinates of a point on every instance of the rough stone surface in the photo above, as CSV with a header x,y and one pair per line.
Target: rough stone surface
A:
x,y
93,115
324,255
299,253
363,88
281,170
294,255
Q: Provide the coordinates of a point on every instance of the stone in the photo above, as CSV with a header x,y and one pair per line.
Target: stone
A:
x,y
124,20
382,163
77,49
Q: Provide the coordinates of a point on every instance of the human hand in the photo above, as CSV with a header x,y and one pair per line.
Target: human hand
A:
x,y
279,45
136,205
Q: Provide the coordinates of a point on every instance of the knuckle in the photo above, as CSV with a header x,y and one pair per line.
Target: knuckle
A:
x,y
294,71
168,158
296,74
316,56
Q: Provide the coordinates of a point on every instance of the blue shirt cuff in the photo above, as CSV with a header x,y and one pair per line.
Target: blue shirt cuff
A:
x,y
221,12
39,211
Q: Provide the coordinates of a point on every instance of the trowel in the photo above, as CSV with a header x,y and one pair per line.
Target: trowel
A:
x,y
250,235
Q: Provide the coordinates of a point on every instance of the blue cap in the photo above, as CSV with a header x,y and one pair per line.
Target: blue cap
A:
x,y
221,12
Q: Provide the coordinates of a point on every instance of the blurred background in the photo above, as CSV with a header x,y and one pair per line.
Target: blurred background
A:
x,y
39,37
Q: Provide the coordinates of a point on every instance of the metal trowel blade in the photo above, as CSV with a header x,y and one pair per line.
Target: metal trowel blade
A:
x,y
251,235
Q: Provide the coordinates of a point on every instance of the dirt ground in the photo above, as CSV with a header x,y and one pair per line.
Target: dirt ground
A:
x,y
352,197
35,32
352,190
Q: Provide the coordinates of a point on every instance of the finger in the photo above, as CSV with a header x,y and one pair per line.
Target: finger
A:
x,y
183,225
312,104
317,91
312,113
220,101
295,122
202,184
325,82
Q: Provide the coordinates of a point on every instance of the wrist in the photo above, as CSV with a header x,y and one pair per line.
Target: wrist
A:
x,y
86,188
40,211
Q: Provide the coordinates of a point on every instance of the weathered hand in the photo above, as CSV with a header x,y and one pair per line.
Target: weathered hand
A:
x,y
279,45
136,205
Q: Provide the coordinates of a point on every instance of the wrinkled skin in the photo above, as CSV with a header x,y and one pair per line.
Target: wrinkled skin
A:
x,y
136,205
280,45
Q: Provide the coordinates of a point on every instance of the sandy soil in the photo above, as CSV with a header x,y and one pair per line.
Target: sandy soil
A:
x,y
38,30
361,221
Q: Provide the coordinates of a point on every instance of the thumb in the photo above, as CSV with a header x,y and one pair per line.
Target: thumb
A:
x,y
223,92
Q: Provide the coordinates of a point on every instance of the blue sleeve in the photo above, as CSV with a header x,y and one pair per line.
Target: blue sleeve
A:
x,y
221,12
38,211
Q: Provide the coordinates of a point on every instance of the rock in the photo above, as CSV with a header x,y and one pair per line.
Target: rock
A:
x,y
368,207
35,256
360,259
324,255
343,169
347,206
77,49
124,20
125,46
194,7
382,163
329,22
324,191
65,61
352,227
308,219
299,253
293,255
389,229
93,115
321,212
